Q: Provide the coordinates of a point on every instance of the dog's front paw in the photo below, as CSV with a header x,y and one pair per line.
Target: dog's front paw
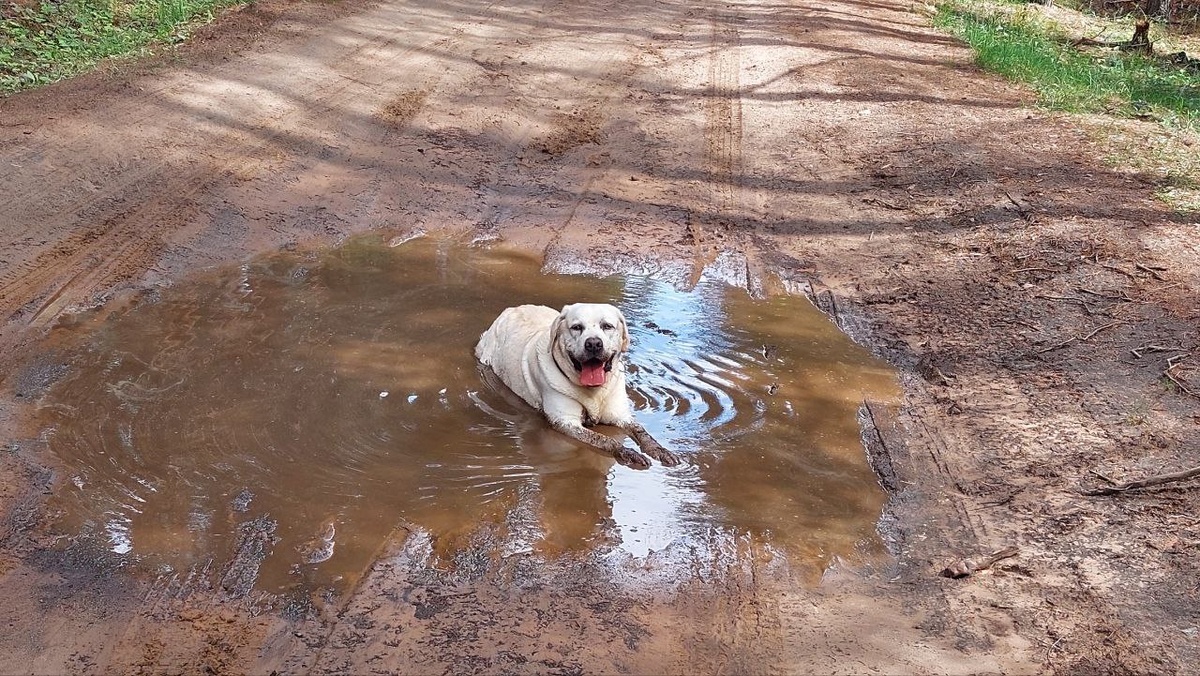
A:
x,y
667,458
655,450
631,458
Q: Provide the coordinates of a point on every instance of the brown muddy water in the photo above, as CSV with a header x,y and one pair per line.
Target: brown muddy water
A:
x,y
268,427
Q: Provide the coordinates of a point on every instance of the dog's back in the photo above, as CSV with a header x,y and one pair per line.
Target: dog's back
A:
x,y
509,347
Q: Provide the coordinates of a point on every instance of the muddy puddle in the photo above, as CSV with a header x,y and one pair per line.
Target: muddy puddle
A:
x,y
269,427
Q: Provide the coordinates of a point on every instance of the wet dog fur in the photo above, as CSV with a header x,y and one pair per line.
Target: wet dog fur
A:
x,y
569,365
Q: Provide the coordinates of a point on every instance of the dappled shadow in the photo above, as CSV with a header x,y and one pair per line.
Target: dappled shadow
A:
x,y
467,119
237,135
595,133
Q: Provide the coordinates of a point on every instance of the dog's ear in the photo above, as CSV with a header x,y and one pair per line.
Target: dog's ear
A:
x,y
624,331
559,325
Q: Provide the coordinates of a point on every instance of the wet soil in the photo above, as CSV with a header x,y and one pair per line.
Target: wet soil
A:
x,y
1038,303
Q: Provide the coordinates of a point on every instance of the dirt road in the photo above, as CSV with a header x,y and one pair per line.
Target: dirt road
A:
x,y
1030,294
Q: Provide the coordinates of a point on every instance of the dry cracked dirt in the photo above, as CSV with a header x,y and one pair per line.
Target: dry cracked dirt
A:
x,y
1037,302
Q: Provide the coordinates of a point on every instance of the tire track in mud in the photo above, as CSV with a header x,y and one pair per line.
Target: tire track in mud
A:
x,y
642,192
723,117
518,613
82,199
441,137
132,111
69,272
615,80
530,181
490,184
727,620
716,211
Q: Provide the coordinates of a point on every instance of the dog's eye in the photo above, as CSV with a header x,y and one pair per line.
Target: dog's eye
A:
x,y
577,327
606,327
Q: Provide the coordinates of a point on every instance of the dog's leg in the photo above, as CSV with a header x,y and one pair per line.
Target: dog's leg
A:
x,y
648,444
623,455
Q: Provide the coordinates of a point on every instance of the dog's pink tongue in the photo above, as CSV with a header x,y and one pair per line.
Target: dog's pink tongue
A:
x,y
593,374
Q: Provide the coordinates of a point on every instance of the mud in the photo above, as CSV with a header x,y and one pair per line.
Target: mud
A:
x,y
267,427
1037,301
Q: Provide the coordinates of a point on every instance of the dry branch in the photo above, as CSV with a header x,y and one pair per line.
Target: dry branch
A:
x,y
1100,294
1138,42
1098,329
1172,364
1117,269
1145,268
1182,388
1083,338
1088,309
965,567
1156,480
1138,351
1021,210
884,203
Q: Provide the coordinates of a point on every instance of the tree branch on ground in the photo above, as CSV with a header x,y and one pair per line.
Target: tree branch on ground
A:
x,y
1156,480
964,567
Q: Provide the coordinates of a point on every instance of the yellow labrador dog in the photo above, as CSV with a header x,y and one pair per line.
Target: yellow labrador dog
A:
x,y
569,365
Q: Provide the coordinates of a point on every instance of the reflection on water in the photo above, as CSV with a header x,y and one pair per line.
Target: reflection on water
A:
x,y
277,421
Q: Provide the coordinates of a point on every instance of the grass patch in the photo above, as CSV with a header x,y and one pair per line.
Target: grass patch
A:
x,y
1181,192
1018,46
51,40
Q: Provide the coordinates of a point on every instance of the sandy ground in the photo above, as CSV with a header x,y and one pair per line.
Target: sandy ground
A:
x,y
1036,300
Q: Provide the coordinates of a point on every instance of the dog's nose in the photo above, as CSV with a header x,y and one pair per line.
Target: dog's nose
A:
x,y
593,345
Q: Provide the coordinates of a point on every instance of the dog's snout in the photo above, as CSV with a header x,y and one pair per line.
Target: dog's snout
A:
x,y
593,345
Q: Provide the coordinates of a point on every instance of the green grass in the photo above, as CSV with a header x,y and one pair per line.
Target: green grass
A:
x,y
1014,45
55,39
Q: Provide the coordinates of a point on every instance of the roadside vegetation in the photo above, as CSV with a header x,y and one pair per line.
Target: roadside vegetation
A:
x,y
48,40
1081,62
1026,44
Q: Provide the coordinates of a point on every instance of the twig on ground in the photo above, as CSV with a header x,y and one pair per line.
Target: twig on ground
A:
x,y
1063,344
1051,648
965,567
1021,211
1002,501
884,203
1154,274
1172,364
1156,480
1138,351
1100,31
1081,339
1086,308
1168,286
1100,294
1098,329
1182,388
1089,42
1034,270
1116,269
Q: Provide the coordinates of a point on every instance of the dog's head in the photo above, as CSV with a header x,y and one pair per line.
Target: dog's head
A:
x,y
587,339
